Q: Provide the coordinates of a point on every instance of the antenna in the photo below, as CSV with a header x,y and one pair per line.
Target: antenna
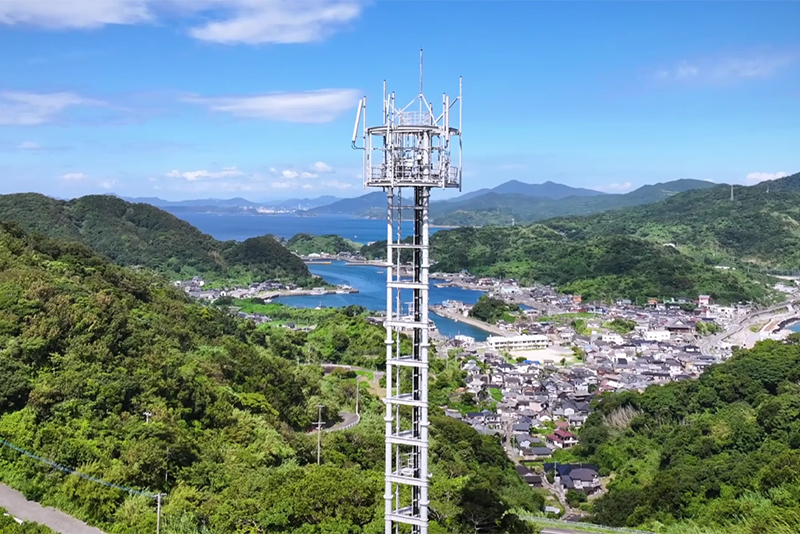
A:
x,y
420,72
731,192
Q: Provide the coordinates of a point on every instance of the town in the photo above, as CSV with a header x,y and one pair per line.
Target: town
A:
x,y
536,378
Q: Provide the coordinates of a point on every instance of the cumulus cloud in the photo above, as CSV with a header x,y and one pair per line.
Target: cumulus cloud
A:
x,y
193,176
321,167
282,185
319,106
108,184
725,69
30,109
74,176
757,177
615,187
227,21
290,174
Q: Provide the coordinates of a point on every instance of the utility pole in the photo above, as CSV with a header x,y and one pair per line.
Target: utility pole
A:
x,y
319,432
158,513
357,392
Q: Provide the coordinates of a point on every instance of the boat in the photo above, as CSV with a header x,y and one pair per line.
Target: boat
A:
x,y
381,272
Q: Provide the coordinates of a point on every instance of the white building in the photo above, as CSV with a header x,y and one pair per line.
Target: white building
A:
x,y
466,340
612,337
657,335
523,342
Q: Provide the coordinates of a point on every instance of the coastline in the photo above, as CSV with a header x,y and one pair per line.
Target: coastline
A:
x,y
457,317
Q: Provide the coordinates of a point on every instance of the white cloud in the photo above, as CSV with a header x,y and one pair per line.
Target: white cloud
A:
x,y
290,174
73,13
30,109
282,185
726,68
193,176
309,175
29,145
615,187
229,21
756,177
308,186
108,184
74,176
336,184
322,167
319,106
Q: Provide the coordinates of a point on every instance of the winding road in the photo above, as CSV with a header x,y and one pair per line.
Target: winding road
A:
x,y
707,344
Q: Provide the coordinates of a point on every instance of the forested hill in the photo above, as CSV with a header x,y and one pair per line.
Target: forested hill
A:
x,y
143,235
503,208
718,454
760,226
598,268
86,347
316,244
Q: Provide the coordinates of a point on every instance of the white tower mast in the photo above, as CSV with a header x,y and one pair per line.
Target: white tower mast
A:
x,y
411,149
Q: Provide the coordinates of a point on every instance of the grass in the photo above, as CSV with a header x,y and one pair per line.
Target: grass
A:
x,y
496,394
368,374
756,327
565,456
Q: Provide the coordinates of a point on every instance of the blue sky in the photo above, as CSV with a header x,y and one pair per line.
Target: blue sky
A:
x,y
256,98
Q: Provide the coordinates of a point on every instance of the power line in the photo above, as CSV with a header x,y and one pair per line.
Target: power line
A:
x,y
73,472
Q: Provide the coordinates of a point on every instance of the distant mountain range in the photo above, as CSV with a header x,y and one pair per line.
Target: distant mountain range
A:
x,y
545,190
508,203
496,207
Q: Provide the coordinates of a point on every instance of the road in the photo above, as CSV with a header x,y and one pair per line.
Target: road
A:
x,y
18,506
348,419
707,344
458,317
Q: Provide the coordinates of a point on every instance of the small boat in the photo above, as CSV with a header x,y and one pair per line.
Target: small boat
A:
x,y
381,272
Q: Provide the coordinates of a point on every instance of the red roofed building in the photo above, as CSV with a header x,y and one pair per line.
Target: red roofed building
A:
x,y
562,439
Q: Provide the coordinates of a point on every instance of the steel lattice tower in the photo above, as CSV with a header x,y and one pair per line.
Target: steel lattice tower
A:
x,y
410,150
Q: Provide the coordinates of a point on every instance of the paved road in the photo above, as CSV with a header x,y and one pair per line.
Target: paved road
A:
x,y
348,419
18,506
708,343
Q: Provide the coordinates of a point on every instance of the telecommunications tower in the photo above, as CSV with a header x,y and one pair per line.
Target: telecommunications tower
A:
x,y
408,154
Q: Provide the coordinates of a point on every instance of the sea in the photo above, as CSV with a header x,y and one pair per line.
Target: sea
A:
x,y
240,227
369,280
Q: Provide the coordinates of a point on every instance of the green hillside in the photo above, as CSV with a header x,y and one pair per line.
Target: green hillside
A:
x,y
718,454
495,208
760,226
598,268
326,244
86,347
146,236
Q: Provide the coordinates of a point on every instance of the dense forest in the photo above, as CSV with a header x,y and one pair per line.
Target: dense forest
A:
x,y
761,226
602,267
146,236
717,454
491,310
87,347
325,244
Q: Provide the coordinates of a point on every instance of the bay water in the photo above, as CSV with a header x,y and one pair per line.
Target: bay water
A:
x,y
369,280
